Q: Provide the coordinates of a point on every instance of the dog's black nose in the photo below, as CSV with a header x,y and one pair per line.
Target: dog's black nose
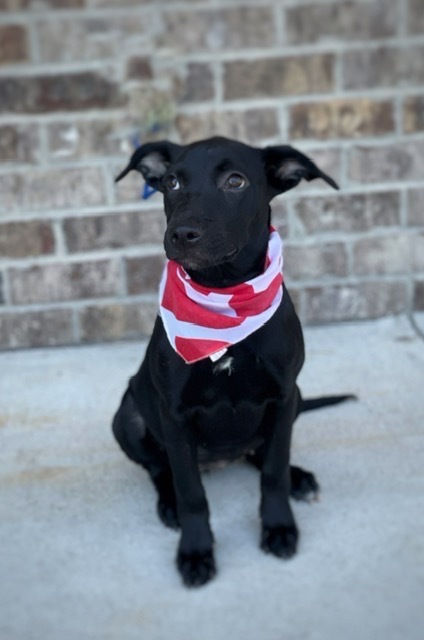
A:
x,y
186,235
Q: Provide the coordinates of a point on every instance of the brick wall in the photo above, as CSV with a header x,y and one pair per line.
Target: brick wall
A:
x,y
343,80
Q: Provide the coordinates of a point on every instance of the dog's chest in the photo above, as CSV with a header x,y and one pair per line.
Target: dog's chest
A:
x,y
227,400
239,382
236,378
225,364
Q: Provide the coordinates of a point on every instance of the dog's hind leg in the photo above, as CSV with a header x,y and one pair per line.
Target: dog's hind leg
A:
x,y
303,484
141,447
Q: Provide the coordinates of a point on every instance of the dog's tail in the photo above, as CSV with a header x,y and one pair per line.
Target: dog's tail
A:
x,y
323,401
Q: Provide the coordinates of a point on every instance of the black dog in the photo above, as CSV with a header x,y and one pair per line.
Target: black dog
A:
x,y
175,416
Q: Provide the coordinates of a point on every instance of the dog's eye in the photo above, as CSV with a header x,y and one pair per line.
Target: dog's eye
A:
x,y
171,182
235,181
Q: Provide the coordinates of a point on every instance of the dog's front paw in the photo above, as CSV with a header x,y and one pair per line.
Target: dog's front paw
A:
x,y
280,541
196,569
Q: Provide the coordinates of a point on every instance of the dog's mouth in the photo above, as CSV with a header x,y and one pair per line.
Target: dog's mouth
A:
x,y
203,261
232,254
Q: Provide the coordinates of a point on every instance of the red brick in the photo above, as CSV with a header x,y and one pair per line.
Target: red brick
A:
x,y
19,143
4,333
51,189
118,3
11,192
341,21
117,321
296,298
114,231
139,68
385,67
193,83
100,37
295,75
217,30
346,213
249,126
416,207
413,114
65,92
415,16
315,260
352,118
144,273
385,163
418,252
36,328
85,138
418,302
57,282
20,5
280,216
59,4
382,255
13,44
21,239
64,188
366,300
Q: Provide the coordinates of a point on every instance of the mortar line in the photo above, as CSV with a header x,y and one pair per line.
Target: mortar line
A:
x,y
404,215
283,116
218,85
344,168
294,50
279,14
59,240
43,146
75,325
398,111
372,94
33,42
402,18
338,73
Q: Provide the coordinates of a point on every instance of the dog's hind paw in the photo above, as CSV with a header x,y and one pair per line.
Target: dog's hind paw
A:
x,y
196,569
280,541
167,512
304,485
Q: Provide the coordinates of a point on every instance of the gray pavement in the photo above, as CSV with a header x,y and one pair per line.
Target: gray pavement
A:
x,y
83,556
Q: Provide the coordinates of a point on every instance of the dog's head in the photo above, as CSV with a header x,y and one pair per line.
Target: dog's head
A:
x,y
217,194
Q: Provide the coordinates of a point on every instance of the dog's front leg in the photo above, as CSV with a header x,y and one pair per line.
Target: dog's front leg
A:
x,y
279,531
195,559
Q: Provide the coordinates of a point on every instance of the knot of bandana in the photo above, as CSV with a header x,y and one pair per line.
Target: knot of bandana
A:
x,y
202,322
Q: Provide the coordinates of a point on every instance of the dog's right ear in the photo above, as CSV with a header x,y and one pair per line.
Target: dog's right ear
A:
x,y
152,160
285,167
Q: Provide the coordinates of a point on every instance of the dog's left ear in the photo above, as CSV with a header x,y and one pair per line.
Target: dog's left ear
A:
x,y
152,160
285,167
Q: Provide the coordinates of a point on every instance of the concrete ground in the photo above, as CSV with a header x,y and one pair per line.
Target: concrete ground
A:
x,y
83,556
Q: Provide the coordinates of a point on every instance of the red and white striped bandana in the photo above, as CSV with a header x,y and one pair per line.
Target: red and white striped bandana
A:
x,y
202,323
